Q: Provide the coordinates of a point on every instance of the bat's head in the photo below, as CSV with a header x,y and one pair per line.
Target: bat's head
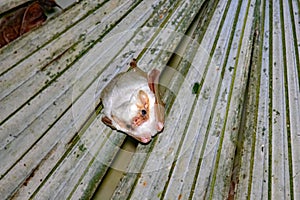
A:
x,y
144,123
132,104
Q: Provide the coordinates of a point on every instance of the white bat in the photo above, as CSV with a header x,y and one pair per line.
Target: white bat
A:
x,y
132,104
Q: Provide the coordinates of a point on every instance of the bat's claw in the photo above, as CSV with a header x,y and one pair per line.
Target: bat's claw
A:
x,y
159,126
133,63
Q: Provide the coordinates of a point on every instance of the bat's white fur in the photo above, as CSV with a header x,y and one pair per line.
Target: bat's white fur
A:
x,y
120,99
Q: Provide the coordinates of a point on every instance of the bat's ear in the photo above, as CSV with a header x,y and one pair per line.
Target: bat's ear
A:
x,y
144,99
153,79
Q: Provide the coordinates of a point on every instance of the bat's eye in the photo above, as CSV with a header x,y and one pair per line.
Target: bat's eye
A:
x,y
144,112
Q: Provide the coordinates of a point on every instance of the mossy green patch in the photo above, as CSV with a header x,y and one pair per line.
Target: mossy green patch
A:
x,y
82,147
196,88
